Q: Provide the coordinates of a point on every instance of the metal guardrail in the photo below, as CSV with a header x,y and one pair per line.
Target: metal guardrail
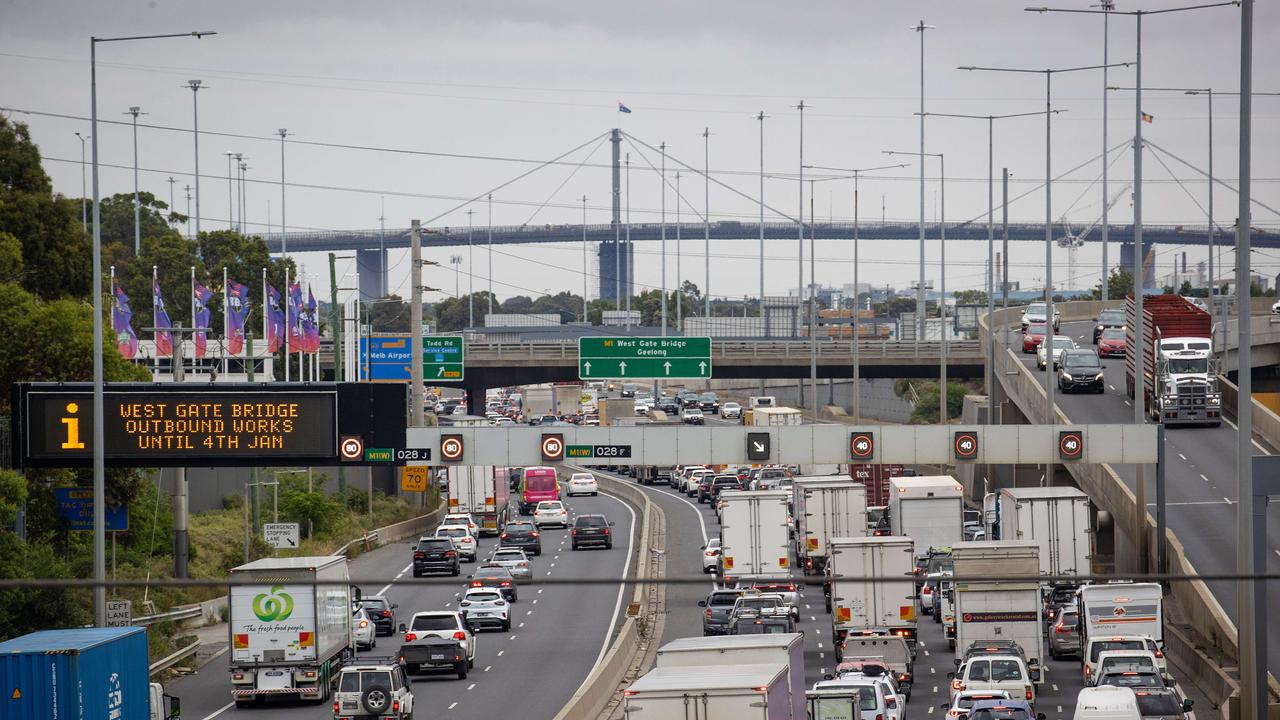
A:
x,y
177,657
370,537
185,612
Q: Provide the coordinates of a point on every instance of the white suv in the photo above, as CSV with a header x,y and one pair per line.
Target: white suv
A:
x,y
445,624
485,607
993,673
462,539
380,690
461,520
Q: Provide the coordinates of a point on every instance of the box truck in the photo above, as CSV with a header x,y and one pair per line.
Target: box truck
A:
x,y
1056,519
483,491
995,612
786,648
754,536
290,627
81,673
717,692
1122,608
772,416
928,509
884,605
826,507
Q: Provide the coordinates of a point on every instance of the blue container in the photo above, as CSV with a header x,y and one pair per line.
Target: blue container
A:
x,y
76,674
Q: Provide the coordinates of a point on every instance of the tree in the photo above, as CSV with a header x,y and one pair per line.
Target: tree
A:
x,y
47,226
1186,288
517,304
971,297
32,608
11,265
926,410
116,216
1119,285
387,314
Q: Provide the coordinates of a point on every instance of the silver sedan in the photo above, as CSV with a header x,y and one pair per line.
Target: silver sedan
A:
x,y
515,561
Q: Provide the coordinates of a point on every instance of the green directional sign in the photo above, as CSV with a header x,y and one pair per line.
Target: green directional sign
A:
x,y
442,359
687,358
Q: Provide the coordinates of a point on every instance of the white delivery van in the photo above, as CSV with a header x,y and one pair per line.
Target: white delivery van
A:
x,y
1107,703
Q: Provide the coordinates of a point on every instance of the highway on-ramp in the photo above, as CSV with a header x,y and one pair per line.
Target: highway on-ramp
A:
x,y
557,634
1200,480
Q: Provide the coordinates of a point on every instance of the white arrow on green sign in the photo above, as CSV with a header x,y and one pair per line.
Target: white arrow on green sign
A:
x,y
685,358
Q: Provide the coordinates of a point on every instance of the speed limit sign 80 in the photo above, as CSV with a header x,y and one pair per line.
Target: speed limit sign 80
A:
x,y
552,447
451,447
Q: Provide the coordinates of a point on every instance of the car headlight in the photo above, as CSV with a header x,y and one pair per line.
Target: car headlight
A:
x,y
1067,376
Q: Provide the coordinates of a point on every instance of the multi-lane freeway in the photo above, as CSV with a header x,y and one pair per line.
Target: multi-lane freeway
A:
x,y
558,632
1200,479
688,523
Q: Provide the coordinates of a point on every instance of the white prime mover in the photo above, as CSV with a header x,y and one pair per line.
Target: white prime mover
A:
x,y
787,648
826,507
884,605
754,536
998,611
928,509
1054,518
290,627
718,692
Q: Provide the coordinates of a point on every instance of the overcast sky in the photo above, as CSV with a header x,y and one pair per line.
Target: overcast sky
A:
x,y
532,80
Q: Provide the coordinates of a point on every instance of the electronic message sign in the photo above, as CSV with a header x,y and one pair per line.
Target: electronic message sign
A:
x,y
157,425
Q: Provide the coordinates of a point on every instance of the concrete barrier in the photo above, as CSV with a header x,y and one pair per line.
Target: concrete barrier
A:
x,y
636,640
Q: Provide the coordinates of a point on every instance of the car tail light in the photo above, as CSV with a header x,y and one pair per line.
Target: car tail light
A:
x,y
1088,672
710,553
1159,653
502,536
395,706
451,553
1062,630
575,532
953,713
708,613
237,676
506,583
335,707
926,590
364,623
1029,695
606,531
903,677
535,534
309,674
957,686
386,613
475,583
459,635
410,637
419,555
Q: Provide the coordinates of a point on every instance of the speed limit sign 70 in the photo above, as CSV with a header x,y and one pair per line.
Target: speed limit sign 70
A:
x,y
1070,444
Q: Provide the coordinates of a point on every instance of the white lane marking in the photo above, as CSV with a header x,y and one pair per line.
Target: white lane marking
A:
x,y
813,618
926,653
513,637
520,625
1226,500
822,656
448,604
1059,708
935,689
539,592
387,587
819,646
1202,477
502,651
452,706
487,667
1278,552
1126,402
1055,689
219,711
557,557
471,686
933,671
1113,387
929,710
1184,457
535,601
552,565
1255,442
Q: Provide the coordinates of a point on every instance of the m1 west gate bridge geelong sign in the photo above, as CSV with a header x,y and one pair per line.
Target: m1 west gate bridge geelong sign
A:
x,y
685,358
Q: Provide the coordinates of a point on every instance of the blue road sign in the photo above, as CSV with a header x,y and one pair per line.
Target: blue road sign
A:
x,y
386,358
75,506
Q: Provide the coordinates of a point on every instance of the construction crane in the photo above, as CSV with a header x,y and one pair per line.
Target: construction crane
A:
x,y
1073,241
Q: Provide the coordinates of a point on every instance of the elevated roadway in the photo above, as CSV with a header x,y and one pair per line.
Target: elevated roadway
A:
x,y
1200,486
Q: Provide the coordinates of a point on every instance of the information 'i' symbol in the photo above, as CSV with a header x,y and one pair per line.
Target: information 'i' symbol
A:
x,y
72,422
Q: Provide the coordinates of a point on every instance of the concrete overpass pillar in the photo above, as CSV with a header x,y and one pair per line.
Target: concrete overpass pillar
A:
x,y
1126,261
372,266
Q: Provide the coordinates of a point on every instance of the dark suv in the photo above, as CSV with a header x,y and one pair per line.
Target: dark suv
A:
x,y
718,484
591,530
521,534
435,555
709,403
382,612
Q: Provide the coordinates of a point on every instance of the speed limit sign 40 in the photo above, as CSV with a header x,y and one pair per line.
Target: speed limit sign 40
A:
x,y
966,445
862,445
1070,444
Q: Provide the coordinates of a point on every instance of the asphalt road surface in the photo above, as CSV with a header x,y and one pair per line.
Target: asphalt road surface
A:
x,y
1200,480
687,522
557,634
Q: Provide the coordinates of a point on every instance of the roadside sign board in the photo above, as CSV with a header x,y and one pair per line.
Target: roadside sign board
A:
x,y
758,446
966,445
597,451
281,536
119,613
413,478
687,358
1071,444
385,358
75,507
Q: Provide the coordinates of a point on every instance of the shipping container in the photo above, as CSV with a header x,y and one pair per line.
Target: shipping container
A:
x,y
876,478
76,673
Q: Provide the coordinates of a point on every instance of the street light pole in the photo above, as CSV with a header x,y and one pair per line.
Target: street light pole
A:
x,y
990,379
678,295
284,227
764,327
135,111
857,308
471,282
584,259
84,191
706,220
630,257
490,254
800,209
920,289
196,86
663,216
99,449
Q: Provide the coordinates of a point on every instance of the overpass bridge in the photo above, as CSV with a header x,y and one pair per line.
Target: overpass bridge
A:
x,y
1199,480
371,245
491,365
